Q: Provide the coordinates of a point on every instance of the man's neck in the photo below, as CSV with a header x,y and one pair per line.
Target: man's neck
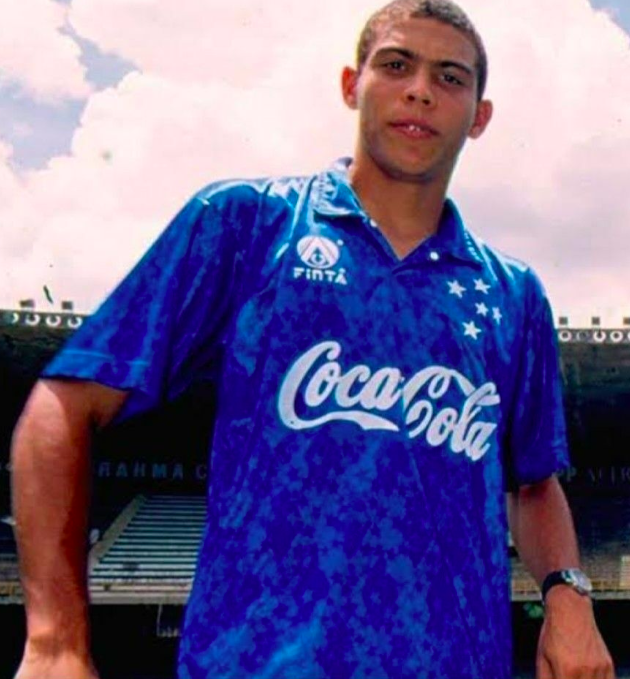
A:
x,y
405,212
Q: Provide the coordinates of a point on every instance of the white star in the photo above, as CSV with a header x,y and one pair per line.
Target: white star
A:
x,y
454,288
482,310
471,330
496,314
481,286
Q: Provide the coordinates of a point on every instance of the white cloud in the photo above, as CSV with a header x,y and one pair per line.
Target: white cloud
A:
x,y
16,232
247,87
35,53
549,181
237,41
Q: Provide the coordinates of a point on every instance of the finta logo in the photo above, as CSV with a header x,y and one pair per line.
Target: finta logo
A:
x,y
320,255
318,252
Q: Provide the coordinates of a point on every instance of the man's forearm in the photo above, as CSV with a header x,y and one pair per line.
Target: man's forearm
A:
x,y
542,528
570,645
50,467
51,487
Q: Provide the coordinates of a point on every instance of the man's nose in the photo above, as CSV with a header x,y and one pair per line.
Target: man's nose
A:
x,y
420,89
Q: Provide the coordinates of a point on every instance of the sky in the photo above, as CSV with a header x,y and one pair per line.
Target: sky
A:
x,y
114,112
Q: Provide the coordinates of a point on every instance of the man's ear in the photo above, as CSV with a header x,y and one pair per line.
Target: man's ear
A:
x,y
483,115
349,79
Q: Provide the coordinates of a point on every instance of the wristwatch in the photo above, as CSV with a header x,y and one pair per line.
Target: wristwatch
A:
x,y
573,577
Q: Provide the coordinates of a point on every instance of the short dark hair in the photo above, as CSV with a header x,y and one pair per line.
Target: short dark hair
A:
x,y
445,11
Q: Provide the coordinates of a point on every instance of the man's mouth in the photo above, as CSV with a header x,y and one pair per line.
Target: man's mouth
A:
x,y
416,129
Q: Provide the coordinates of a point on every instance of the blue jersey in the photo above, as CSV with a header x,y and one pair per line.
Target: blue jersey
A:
x,y
372,412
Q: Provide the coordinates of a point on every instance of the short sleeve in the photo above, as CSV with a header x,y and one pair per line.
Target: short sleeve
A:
x,y
162,327
536,445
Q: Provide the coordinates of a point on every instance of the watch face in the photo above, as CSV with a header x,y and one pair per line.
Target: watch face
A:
x,y
576,578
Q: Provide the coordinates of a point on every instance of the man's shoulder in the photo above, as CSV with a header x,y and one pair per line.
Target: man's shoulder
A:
x,y
252,215
495,257
515,275
254,191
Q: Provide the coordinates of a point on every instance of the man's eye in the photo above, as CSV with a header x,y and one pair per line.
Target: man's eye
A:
x,y
397,66
451,79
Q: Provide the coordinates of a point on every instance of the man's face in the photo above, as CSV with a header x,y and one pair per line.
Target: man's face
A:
x,y
417,100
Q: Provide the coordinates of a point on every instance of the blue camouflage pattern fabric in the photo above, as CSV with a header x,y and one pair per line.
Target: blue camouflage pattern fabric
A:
x,y
372,412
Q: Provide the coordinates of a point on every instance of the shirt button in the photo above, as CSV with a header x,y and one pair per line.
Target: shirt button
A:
x,y
434,256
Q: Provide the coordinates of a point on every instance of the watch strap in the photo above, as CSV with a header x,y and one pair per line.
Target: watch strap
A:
x,y
572,577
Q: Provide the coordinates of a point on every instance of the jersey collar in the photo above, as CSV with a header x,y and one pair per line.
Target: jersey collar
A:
x,y
335,197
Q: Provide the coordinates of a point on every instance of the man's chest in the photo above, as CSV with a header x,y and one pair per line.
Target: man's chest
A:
x,y
338,330
331,282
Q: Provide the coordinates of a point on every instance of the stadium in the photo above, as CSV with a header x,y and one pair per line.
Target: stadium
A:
x,y
148,508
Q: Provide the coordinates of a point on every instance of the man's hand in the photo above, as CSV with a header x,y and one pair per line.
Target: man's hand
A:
x,y
570,645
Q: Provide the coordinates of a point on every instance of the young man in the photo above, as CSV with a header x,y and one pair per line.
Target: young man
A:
x,y
383,376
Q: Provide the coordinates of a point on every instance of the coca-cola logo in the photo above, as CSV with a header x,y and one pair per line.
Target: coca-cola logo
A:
x,y
357,394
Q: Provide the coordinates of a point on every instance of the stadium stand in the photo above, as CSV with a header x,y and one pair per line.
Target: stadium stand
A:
x,y
149,552
602,527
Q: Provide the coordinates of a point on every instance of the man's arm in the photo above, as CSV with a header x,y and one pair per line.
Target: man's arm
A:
x,y
570,646
50,495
